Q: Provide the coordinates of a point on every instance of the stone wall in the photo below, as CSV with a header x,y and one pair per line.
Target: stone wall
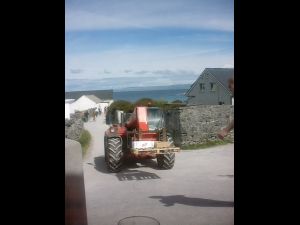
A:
x,y
74,126
75,201
198,124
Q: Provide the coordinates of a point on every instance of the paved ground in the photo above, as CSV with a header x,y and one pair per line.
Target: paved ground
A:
x,y
198,190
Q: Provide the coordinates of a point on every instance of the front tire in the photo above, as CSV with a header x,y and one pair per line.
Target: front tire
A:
x,y
114,154
166,161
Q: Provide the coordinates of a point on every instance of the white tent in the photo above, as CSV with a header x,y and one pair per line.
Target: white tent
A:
x,y
86,102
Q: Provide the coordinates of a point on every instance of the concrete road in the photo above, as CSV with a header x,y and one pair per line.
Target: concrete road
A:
x,y
199,190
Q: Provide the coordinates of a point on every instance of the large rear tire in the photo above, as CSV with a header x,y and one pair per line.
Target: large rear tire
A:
x,y
114,154
166,161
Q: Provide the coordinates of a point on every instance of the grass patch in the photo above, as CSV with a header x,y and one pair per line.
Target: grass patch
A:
x,y
85,140
206,144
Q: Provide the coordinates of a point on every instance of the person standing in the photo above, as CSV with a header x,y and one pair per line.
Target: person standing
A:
x,y
94,115
86,116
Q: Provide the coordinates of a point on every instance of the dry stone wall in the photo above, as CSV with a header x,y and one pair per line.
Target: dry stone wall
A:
x,y
74,127
198,124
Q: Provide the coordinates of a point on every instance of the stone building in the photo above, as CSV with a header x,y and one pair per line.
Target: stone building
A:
x,y
211,88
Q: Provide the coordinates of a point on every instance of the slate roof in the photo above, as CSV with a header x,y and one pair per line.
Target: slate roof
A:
x,y
222,75
101,94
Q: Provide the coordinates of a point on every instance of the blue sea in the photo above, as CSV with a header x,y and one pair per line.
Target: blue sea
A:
x,y
167,95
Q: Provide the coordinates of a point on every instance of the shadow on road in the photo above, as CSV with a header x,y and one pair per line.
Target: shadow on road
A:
x,y
135,163
149,163
129,171
100,164
126,175
201,202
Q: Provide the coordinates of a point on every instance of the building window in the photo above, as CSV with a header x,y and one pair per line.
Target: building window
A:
x,y
213,87
202,87
205,77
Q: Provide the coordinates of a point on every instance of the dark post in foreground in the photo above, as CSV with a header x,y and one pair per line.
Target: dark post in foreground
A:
x,y
75,205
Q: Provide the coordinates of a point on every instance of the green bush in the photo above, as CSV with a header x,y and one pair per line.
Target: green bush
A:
x,y
165,105
150,102
144,102
120,105
160,103
85,140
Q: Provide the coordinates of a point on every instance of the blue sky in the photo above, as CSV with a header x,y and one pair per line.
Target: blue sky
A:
x,y
157,42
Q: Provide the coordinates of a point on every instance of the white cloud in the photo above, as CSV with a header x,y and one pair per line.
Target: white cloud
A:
x,y
156,64
97,15
144,62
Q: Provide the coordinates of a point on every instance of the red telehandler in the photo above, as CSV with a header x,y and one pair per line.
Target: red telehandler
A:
x,y
143,136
